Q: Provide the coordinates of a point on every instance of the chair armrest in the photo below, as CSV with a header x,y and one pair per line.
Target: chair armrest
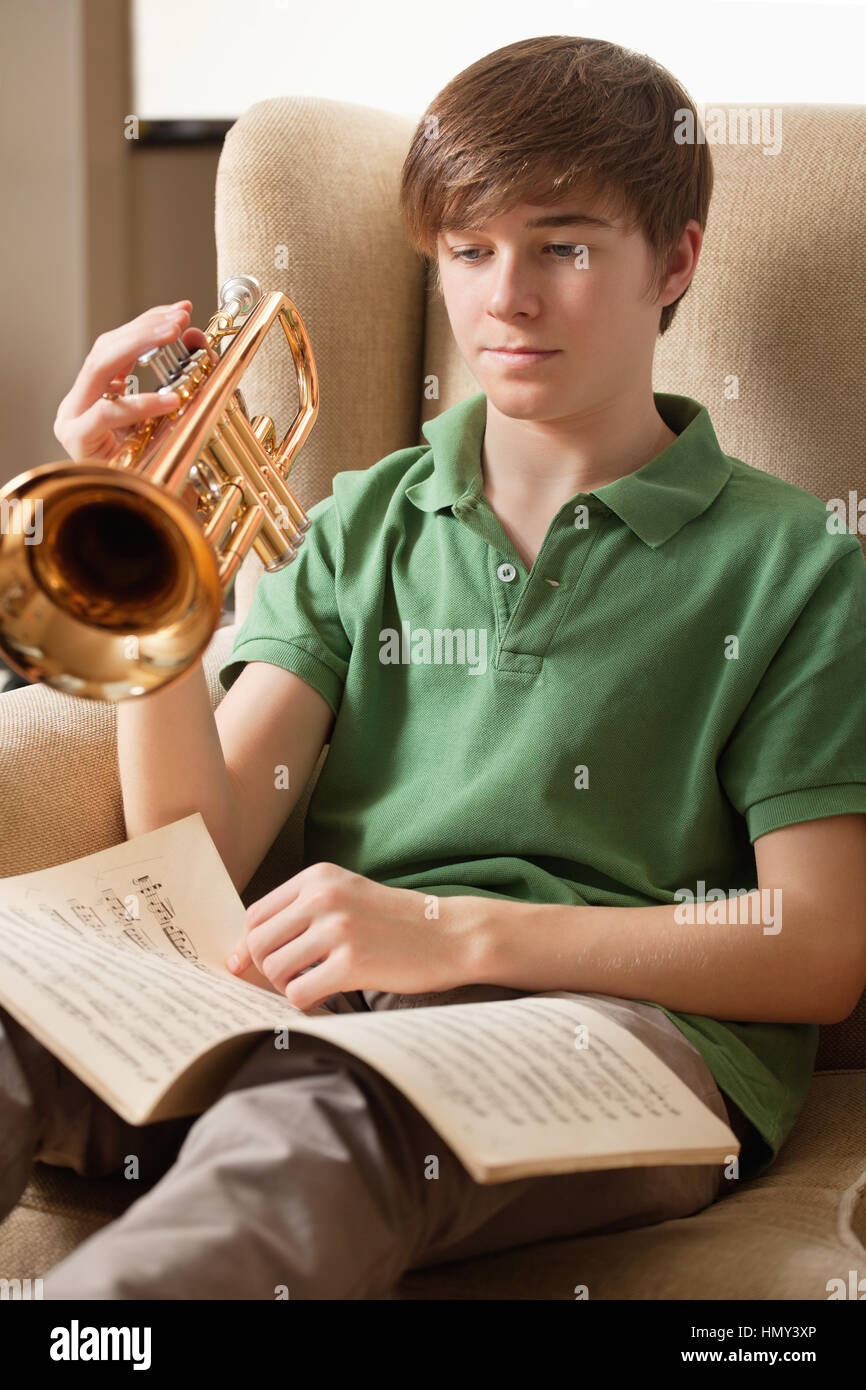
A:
x,y
60,795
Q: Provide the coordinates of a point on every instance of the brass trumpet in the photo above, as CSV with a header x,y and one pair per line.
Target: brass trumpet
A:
x,y
124,584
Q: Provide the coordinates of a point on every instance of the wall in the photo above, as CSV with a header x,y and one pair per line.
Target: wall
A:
x,y
96,227
63,246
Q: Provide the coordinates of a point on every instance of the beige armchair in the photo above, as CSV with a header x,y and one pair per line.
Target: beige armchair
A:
x,y
770,338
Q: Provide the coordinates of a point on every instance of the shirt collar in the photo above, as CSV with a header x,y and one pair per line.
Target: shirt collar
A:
x,y
655,501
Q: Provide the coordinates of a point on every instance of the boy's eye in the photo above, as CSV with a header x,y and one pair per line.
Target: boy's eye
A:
x,y
475,251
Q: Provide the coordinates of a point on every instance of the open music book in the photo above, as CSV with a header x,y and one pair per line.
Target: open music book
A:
x,y
115,962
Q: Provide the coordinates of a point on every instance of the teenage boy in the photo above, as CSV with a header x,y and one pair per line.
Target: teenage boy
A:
x,y
577,667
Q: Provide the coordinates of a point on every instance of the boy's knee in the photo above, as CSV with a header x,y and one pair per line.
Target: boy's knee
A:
x,y
314,1119
280,1102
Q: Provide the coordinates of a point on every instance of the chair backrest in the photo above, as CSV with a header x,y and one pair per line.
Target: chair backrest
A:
x,y
769,336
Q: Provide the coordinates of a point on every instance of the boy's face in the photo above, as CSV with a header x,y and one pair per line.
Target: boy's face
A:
x,y
510,285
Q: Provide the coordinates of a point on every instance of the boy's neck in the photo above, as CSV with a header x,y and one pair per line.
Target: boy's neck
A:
x,y
539,464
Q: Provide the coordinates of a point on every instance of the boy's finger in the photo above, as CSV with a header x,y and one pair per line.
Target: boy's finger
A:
x,y
115,353
195,338
240,959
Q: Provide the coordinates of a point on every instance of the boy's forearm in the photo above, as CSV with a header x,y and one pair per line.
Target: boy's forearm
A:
x,y
171,761
722,970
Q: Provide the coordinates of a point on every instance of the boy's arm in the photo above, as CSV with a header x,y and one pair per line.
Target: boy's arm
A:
x,y
272,727
176,755
811,971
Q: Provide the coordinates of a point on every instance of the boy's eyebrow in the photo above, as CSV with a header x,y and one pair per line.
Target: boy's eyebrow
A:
x,y
553,219
568,219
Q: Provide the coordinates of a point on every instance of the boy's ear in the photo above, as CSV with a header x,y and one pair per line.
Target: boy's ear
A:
x,y
693,235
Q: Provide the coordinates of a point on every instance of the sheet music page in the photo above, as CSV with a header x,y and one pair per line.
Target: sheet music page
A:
x,y
122,952
115,962
540,1084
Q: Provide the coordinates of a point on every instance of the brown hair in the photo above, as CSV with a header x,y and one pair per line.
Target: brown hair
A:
x,y
539,118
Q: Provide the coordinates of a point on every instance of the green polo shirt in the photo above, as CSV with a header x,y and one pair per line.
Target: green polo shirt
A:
x,y
679,672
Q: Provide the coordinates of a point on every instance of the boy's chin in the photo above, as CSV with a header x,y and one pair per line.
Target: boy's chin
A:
x,y
524,400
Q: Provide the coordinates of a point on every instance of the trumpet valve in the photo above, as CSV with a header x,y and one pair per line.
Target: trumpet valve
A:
x,y
166,362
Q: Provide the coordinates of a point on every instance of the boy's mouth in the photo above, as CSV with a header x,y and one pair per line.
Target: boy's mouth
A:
x,y
520,356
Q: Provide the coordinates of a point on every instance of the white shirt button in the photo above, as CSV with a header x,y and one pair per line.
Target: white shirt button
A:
x,y
506,572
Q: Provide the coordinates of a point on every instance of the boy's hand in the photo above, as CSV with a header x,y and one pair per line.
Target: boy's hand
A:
x,y
90,427
364,936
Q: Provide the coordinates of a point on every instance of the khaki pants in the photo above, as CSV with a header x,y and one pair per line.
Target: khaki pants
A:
x,y
309,1174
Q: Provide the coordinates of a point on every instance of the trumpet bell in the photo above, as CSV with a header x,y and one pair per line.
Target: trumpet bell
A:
x,y
108,586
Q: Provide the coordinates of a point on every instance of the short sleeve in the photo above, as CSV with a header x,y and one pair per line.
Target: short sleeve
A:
x,y
294,619
798,752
